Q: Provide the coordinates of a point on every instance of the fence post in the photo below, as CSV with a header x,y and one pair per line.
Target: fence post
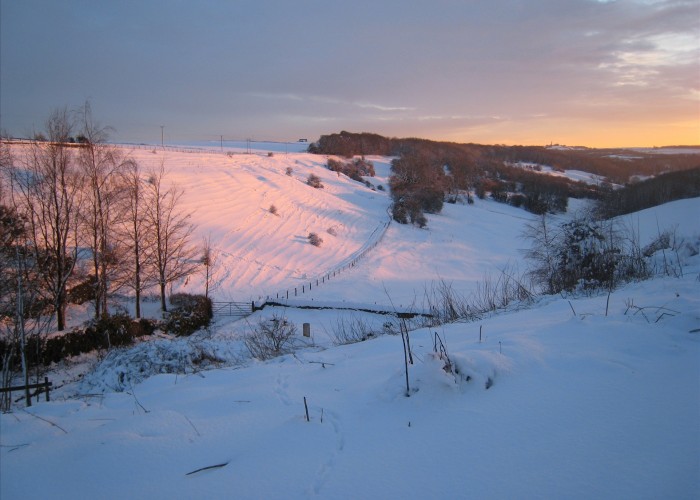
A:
x,y
46,387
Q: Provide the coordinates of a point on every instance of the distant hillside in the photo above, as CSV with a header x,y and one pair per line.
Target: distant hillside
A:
x,y
652,192
426,174
617,165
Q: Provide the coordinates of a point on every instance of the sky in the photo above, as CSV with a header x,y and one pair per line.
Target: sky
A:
x,y
576,72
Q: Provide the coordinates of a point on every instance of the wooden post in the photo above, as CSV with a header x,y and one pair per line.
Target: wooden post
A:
x,y
306,408
46,387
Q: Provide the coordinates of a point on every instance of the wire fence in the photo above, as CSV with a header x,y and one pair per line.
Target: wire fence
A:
x,y
375,238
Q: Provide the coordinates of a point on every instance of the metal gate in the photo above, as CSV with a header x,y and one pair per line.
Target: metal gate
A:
x,y
236,309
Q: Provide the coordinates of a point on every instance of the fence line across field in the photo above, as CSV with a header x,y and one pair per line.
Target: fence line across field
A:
x,y
349,263
243,309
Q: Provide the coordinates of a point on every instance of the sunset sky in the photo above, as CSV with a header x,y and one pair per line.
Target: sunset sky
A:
x,y
576,72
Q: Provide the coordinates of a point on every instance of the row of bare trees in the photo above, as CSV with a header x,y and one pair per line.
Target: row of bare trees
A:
x,y
82,219
89,215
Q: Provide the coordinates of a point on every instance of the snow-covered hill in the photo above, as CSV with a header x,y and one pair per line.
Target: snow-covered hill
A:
x,y
558,400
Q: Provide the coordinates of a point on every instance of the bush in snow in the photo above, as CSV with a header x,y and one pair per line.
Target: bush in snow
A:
x,y
122,368
355,169
315,239
271,337
107,332
273,210
314,181
191,313
350,331
582,255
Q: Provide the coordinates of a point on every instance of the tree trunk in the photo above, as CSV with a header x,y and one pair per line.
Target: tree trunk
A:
x,y
137,287
162,297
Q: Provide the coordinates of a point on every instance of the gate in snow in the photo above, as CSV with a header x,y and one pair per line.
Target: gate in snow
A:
x,y
236,309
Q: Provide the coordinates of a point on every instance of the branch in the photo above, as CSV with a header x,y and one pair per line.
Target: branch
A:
x,y
217,466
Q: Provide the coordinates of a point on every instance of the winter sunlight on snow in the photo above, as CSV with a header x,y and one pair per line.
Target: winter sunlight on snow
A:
x,y
590,395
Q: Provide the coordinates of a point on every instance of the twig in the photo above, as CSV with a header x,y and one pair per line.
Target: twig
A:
x,y
190,421
45,420
133,394
13,446
217,466
322,363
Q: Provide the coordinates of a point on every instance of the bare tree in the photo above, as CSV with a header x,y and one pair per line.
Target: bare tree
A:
x,y
173,256
542,254
209,258
20,290
135,232
48,187
101,165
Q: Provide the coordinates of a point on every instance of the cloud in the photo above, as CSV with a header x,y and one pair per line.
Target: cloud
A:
x,y
275,67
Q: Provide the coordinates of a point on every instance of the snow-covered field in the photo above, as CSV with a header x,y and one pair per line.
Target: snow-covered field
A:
x,y
558,400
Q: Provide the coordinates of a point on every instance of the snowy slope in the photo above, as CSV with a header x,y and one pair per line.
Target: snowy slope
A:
x,y
258,253
583,406
578,405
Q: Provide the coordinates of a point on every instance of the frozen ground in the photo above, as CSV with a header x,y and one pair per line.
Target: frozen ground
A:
x,y
578,404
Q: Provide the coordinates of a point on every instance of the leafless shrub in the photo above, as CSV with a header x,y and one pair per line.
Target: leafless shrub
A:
x,y
500,292
314,181
657,313
661,242
350,331
315,239
273,209
446,305
271,338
